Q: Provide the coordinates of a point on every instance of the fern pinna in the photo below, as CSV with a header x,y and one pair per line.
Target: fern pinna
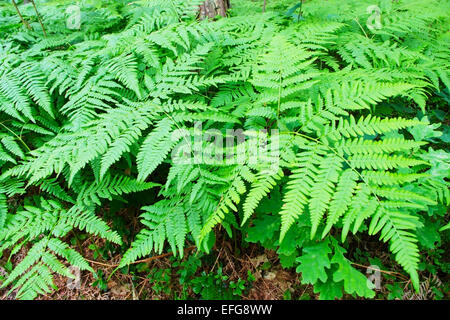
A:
x,y
91,115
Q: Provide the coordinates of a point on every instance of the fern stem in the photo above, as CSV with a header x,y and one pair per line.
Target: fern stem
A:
x,y
24,22
39,18
279,96
19,138
361,28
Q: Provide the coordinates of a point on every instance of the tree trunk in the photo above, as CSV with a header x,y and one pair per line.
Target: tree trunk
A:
x,y
213,8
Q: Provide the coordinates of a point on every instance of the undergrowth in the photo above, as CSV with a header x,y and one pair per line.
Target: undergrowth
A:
x,y
342,140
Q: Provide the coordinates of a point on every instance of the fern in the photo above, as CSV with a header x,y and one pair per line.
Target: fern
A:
x,y
53,221
139,92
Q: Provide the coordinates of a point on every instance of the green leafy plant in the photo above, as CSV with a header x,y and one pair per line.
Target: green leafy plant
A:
x,y
91,116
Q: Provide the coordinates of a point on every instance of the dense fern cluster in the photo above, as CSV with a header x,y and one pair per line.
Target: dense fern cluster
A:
x,y
91,115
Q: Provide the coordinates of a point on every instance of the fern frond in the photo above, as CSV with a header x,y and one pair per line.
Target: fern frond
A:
x,y
111,186
299,187
366,125
155,148
124,69
260,187
3,210
228,200
341,198
323,189
397,227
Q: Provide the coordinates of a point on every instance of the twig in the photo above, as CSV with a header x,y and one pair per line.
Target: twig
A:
x,y
39,18
143,286
18,137
218,256
392,273
307,286
138,261
100,263
25,23
356,19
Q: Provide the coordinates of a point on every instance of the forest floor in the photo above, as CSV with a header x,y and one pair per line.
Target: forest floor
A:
x,y
269,284
271,281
